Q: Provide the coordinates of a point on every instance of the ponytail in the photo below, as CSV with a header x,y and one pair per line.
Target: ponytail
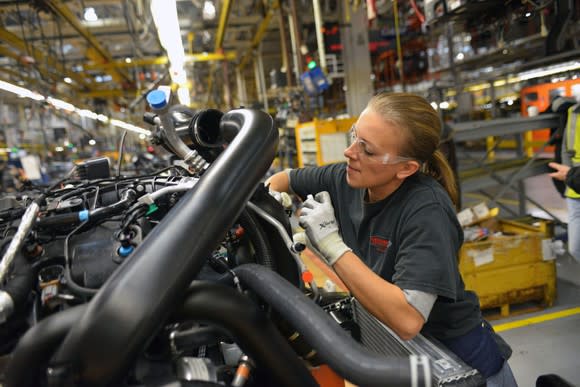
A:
x,y
438,167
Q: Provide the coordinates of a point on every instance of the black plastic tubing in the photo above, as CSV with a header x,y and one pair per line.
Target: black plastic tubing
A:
x,y
253,332
334,346
29,359
133,304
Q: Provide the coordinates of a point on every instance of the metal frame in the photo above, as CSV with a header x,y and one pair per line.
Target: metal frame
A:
x,y
515,172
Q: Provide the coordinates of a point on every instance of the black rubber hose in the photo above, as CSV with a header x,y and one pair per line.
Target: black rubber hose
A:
x,y
333,345
28,361
128,199
252,331
20,283
256,234
138,297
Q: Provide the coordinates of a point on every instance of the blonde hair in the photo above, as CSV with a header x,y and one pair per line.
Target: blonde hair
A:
x,y
421,129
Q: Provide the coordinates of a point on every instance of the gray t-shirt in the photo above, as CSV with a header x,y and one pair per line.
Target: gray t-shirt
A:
x,y
410,239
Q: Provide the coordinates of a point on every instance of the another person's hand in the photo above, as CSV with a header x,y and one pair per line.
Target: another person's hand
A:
x,y
561,171
317,218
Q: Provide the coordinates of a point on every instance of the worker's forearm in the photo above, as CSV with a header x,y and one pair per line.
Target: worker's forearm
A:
x,y
384,300
279,182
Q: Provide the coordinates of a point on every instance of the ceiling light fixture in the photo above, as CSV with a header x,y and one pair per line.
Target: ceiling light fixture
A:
x,y
165,17
21,91
60,104
131,127
90,15
563,67
208,12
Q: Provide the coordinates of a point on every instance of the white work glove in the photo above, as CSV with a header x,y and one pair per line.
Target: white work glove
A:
x,y
318,220
281,197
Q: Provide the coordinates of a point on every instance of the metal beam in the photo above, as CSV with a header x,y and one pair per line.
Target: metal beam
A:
x,y
63,11
473,130
262,28
475,179
162,60
40,57
10,54
30,82
224,16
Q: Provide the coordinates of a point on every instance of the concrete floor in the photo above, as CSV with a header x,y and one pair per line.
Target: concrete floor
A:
x,y
553,346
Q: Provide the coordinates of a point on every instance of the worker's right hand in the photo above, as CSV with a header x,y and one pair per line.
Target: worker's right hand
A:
x,y
318,220
561,171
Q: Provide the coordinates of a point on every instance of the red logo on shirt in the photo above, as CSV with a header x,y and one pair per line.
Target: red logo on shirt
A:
x,y
379,243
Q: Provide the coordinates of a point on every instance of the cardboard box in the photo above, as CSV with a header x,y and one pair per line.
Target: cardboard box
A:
x,y
514,267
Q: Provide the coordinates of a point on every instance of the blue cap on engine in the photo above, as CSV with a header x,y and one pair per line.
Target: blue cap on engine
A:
x,y
156,99
84,215
124,251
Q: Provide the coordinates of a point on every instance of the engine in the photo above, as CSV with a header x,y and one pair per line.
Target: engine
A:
x,y
184,276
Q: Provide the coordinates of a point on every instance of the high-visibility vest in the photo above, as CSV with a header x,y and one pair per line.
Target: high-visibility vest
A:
x,y
572,134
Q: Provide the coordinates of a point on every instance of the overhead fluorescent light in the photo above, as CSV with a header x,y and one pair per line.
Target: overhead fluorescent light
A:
x,y
103,118
60,104
21,91
167,23
544,72
183,95
208,12
130,127
86,113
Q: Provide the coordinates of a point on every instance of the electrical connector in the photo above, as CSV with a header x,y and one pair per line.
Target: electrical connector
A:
x,y
98,168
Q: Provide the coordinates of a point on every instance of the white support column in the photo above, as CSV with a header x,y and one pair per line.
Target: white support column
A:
x,y
356,57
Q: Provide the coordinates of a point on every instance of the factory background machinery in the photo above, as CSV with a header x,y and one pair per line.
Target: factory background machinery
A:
x,y
78,82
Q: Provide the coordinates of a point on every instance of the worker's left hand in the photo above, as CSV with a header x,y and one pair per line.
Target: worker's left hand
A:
x,y
317,218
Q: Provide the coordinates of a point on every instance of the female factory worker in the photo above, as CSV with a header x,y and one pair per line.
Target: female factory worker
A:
x,y
385,221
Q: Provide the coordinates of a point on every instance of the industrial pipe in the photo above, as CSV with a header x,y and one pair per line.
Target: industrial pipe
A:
x,y
37,345
159,105
137,299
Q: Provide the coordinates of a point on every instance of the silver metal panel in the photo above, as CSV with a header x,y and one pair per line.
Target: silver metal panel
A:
x,y
447,369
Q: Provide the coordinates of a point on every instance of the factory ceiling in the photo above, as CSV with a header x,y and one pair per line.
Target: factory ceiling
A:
x,y
107,52
88,51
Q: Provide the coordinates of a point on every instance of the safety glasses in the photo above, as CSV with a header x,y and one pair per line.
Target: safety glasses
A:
x,y
365,151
